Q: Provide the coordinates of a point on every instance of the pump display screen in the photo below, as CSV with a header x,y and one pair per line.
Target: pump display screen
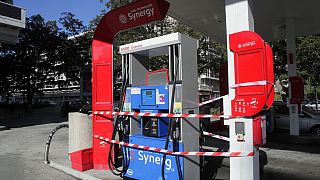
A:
x,y
148,97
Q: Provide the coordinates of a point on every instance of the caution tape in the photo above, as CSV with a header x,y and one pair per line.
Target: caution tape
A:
x,y
166,115
216,136
169,152
210,101
255,83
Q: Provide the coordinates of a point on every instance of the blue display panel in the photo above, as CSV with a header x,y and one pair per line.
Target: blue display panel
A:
x,y
147,165
150,97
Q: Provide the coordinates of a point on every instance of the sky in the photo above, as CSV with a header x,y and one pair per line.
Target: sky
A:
x,y
84,10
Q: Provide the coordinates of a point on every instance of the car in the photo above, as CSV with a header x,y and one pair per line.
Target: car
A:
x,y
51,104
312,106
309,121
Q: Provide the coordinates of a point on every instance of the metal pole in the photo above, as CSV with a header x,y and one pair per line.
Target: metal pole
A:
x,y
46,153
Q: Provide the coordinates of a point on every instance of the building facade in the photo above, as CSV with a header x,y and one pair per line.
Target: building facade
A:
x,y
12,19
208,86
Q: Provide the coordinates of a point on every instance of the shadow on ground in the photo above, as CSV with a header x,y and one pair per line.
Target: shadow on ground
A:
x,y
38,116
303,143
275,174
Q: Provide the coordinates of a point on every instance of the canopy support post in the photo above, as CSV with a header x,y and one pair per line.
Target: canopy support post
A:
x,y
292,71
239,17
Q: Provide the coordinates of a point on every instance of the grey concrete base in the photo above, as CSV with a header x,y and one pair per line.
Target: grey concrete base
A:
x,y
80,131
72,172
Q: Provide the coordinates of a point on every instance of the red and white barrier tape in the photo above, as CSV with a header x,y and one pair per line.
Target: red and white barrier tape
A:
x,y
216,136
167,115
255,83
210,101
169,152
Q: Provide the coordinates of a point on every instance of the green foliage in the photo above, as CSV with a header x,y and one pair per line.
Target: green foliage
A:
x,y
277,97
308,58
280,59
112,4
71,24
308,62
35,55
43,53
95,21
7,1
76,52
7,76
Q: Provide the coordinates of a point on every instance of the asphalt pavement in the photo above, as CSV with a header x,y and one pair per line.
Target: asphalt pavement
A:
x,y
22,151
22,147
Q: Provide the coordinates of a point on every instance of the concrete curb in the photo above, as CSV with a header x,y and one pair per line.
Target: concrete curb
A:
x,y
72,172
2,128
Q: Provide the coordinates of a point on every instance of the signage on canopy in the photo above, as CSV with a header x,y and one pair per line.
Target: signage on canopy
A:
x,y
134,14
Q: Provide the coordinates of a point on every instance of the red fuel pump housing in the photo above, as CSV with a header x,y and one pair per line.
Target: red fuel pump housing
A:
x,y
259,130
297,90
253,68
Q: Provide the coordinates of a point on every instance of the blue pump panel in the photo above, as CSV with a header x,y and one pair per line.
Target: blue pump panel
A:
x,y
162,123
150,97
147,165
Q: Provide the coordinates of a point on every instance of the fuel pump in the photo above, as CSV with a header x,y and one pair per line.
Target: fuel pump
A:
x,y
172,89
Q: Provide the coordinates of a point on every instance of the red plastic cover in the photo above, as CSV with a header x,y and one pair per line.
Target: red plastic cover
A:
x,y
270,77
297,90
253,66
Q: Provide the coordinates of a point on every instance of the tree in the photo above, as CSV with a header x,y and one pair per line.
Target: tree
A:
x,y
76,52
72,25
113,4
308,62
7,75
35,56
7,1
308,58
44,53
280,59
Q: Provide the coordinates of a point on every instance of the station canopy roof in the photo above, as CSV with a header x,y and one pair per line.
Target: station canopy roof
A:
x,y
208,17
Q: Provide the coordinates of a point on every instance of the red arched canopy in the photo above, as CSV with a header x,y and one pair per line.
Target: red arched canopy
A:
x,y
129,16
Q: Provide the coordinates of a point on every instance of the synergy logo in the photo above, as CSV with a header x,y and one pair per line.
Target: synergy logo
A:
x,y
133,15
246,44
149,158
123,18
130,172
